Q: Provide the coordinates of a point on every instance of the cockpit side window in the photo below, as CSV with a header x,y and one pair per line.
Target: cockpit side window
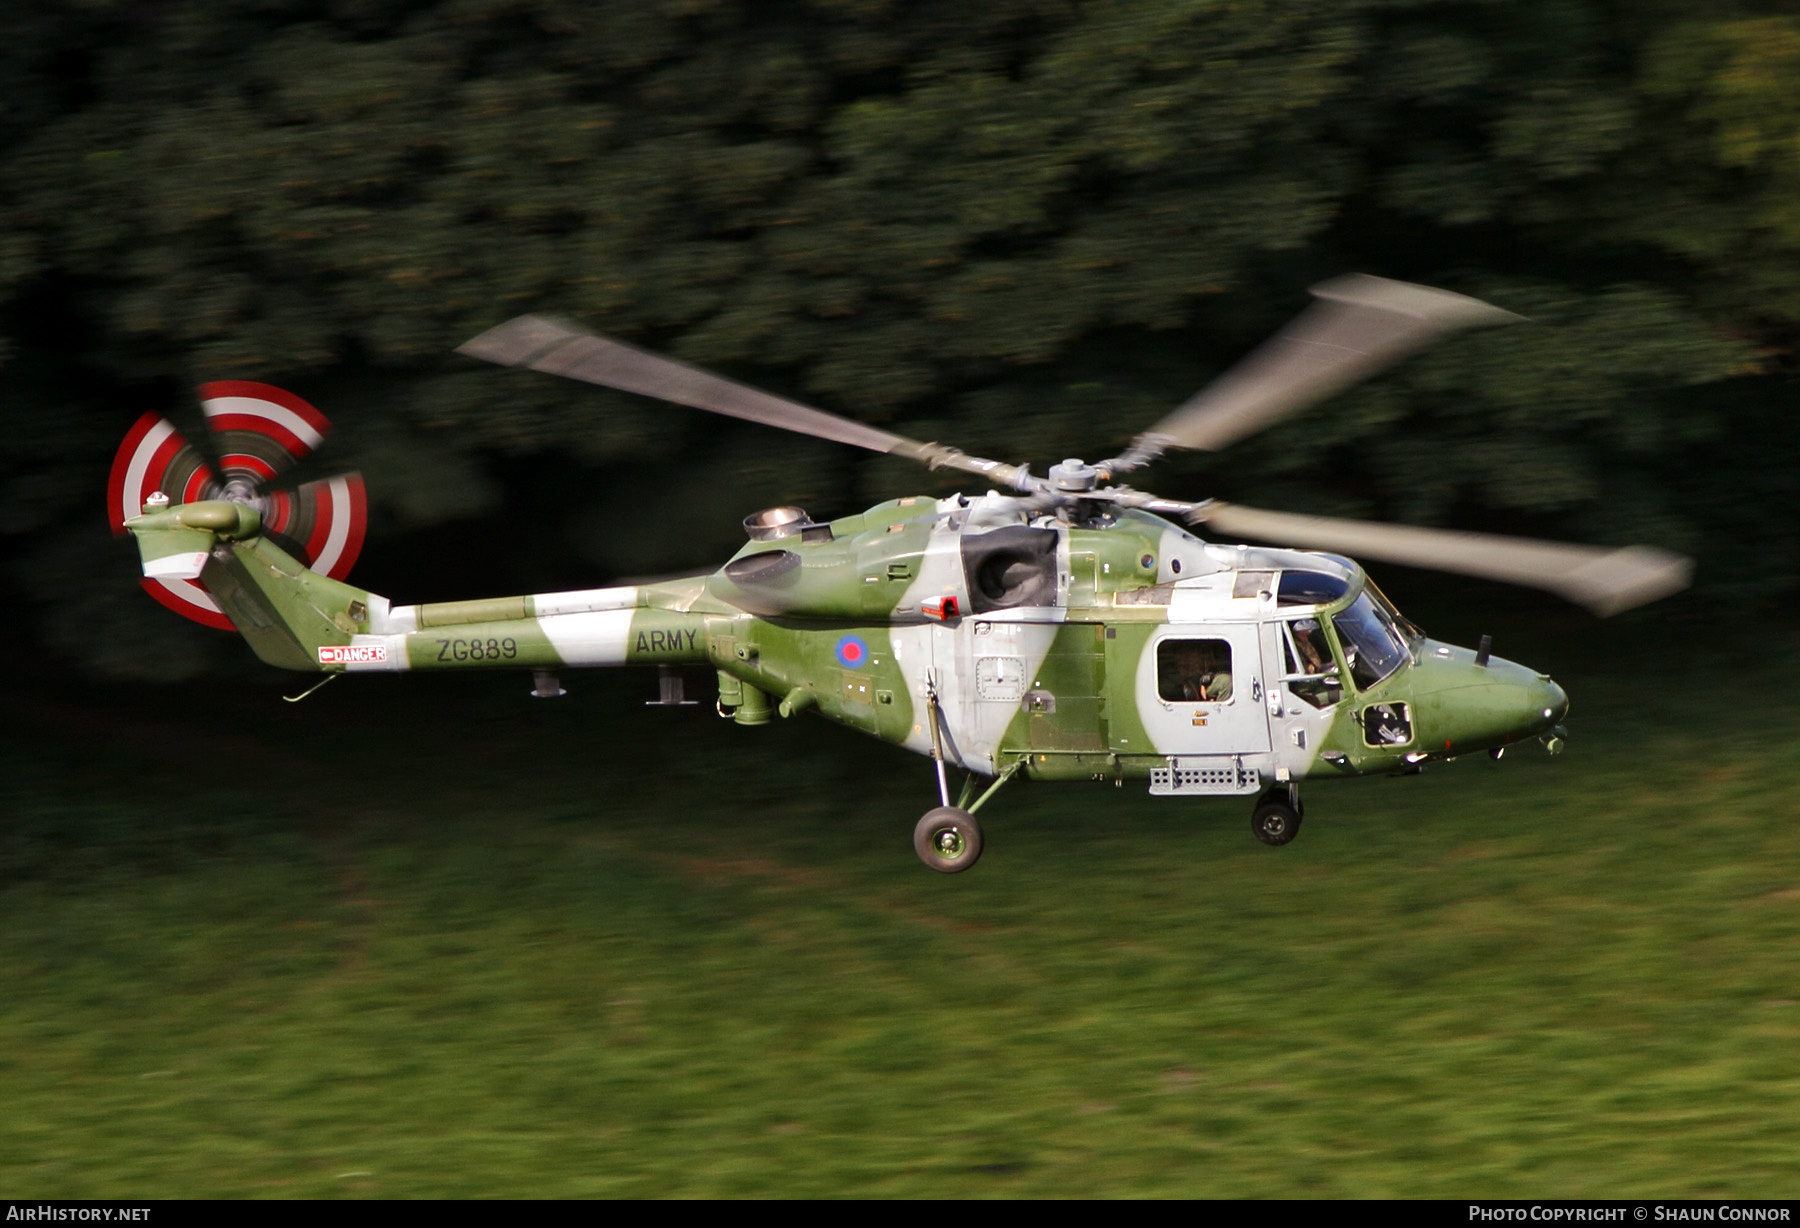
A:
x,y
1193,671
1312,674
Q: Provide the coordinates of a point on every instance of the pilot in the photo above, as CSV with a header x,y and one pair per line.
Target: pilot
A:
x,y
1315,657
1319,685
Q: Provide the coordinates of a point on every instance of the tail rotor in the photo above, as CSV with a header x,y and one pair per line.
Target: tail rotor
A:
x,y
258,432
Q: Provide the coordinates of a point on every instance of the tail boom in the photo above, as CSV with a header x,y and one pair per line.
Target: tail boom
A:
x,y
590,627
295,618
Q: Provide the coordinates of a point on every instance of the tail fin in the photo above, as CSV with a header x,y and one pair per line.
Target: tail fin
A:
x,y
287,611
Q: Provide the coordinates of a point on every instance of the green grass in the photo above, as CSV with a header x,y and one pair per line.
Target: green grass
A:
x,y
427,937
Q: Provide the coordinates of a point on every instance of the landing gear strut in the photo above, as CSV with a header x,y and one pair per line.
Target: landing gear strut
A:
x,y
1276,819
948,839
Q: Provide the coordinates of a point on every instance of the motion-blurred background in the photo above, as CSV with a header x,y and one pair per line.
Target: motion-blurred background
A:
x,y
421,936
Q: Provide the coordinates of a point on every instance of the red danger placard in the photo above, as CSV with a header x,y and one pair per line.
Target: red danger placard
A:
x,y
353,654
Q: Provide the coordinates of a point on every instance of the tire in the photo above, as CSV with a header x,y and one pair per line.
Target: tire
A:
x,y
1275,823
948,840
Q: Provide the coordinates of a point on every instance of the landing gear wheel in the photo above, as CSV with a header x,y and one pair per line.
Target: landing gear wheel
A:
x,y
948,840
1275,822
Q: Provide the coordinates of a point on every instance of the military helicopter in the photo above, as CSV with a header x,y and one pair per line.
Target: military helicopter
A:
x,y
1062,627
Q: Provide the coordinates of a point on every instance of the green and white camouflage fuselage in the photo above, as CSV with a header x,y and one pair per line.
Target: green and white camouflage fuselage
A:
x,y
1117,647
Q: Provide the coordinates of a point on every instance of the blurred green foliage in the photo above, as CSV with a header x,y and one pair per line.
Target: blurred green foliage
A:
x,y
1028,227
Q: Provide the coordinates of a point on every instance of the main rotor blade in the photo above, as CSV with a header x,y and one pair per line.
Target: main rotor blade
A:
x,y
1606,581
1359,325
562,349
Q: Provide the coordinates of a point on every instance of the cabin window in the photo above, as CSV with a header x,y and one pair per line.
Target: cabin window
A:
x,y
1193,671
1373,645
1312,674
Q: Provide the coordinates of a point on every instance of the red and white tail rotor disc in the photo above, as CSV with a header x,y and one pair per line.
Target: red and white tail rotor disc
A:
x,y
258,432
327,522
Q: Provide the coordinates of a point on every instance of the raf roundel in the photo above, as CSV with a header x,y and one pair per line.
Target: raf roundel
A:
x,y
852,653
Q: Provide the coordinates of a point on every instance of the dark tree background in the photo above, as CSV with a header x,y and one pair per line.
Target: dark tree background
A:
x,y
1028,227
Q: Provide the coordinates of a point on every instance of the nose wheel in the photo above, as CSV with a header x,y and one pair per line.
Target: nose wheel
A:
x,y
1276,819
948,839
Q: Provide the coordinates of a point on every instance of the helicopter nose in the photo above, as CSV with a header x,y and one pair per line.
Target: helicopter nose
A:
x,y
1537,704
1553,701
1487,705
1515,709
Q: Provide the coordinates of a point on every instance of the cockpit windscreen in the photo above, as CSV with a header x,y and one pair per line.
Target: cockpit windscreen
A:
x,y
1373,646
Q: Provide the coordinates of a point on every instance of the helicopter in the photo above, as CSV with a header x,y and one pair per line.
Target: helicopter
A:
x,y
1065,627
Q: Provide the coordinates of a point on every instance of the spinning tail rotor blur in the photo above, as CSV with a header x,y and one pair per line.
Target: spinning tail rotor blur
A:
x,y
257,433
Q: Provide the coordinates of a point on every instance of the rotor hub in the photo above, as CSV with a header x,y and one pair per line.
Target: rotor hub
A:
x,y
1073,476
238,489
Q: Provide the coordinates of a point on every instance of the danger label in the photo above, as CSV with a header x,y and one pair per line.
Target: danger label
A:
x,y
352,654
